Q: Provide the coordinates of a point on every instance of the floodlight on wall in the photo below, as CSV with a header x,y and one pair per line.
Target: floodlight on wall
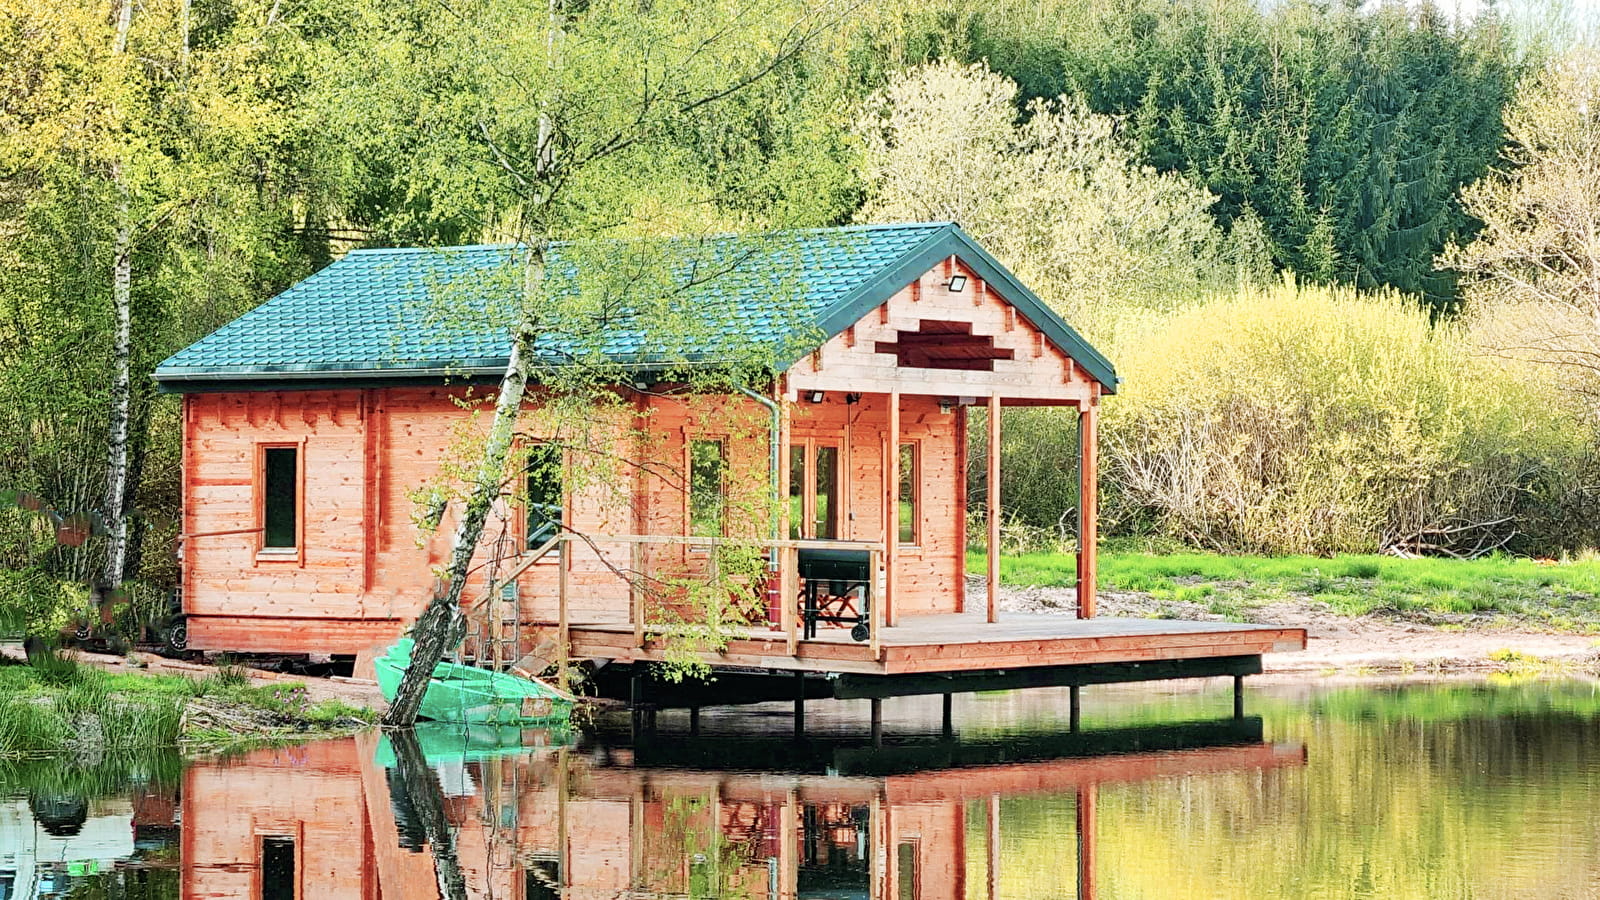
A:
x,y
946,404
814,396
957,283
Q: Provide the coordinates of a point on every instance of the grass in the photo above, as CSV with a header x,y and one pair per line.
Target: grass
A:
x,y
58,706
1563,596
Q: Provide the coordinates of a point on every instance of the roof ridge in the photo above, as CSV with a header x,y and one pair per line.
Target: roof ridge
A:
x,y
820,229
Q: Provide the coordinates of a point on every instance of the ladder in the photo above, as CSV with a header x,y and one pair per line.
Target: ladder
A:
x,y
494,622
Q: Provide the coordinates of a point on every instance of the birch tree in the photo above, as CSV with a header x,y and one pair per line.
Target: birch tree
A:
x,y
1532,274
594,123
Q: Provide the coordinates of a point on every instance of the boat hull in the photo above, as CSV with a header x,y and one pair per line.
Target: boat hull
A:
x,y
472,696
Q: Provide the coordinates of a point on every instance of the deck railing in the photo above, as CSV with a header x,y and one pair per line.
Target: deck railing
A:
x,y
784,553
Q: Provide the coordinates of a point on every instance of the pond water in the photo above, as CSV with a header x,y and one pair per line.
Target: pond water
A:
x,y
1447,790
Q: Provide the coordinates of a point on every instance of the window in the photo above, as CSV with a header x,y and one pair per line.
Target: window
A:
x,y
906,866
277,868
825,519
797,491
280,504
546,499
909,478
813,492
708,472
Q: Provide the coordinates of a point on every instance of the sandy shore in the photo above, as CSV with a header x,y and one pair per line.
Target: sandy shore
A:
x,y
1347,644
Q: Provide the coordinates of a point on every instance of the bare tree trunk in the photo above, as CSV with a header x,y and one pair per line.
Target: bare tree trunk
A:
x,y
440,624
121,361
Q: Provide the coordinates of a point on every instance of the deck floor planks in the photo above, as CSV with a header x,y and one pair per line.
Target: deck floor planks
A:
x,y
965,642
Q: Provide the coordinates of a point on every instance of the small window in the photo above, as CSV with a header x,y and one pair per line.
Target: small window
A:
x,y
906,866
708,472
909,479
797,491
827,501
277,868
546,500
280,507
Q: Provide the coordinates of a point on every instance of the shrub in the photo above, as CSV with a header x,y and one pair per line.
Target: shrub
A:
x,y
1314,419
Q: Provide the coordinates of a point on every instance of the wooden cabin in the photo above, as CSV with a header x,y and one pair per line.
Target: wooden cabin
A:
x,y
312,422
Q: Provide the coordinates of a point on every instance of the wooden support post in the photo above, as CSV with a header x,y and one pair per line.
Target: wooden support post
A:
x,y
877,721
789,587
636,592
875,615
563,616
1086,829
948,718
891,509
993,489
1088,481
1074,707
994,846
799,706
1238,696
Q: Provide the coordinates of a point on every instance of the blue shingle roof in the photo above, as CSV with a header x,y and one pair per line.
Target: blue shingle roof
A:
x,y
428,312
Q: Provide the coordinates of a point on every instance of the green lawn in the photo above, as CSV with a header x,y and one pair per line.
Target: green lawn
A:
x,y
1564,595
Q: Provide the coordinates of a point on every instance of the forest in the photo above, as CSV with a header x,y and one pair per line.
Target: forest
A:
x,y
1375,227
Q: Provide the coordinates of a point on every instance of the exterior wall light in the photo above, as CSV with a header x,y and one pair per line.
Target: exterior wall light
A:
x,y
814,396
957,283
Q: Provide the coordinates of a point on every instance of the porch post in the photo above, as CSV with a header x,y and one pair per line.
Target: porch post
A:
x,y
787,586
891,506
1088,481
993,491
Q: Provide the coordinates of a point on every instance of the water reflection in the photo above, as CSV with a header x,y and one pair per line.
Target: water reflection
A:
x,y
468,813
1422,791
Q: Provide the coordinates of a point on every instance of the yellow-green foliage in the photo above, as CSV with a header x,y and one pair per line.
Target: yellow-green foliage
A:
x,y
1297,418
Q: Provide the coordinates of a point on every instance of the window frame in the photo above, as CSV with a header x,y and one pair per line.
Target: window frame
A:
x,y
522,530
264,553
722,487
810,450
916,491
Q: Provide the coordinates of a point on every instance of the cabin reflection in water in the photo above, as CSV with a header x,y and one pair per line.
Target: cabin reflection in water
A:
x,y
675,815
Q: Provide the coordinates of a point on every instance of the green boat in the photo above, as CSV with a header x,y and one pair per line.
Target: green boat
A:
x,y
472,696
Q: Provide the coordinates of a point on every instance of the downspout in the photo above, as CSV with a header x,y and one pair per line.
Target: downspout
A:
x,y
774,439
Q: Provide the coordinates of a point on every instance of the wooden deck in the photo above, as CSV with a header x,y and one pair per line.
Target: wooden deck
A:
x,y
967,643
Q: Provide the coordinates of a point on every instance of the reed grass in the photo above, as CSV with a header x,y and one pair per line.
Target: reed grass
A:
x,y
55,706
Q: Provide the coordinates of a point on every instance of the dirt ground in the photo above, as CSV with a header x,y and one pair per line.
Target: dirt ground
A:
x,y
1339,643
